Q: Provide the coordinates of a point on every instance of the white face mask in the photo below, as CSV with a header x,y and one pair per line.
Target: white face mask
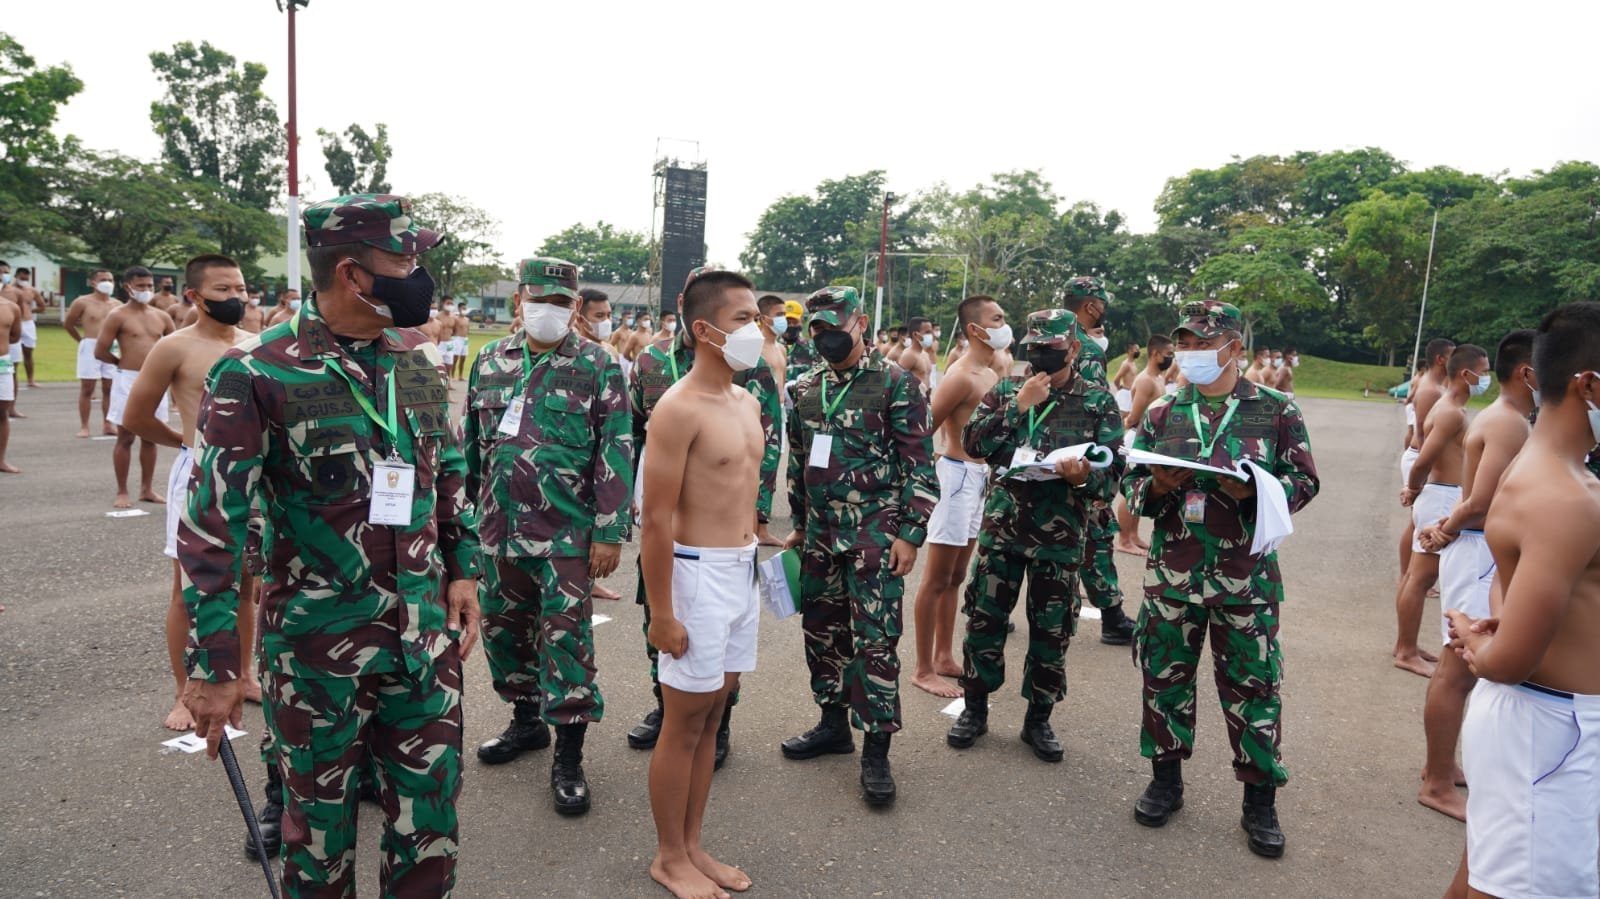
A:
x,y
1102,342
998,338
602,330
255,301
742,348
546,322
1200,367
144,296
927,341
644,325
104,287
433,313
1480,386
670,327
294,305
1277,363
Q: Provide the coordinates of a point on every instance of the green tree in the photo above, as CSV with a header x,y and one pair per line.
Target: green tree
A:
x,y
1261,190
121,211
1263,272
803,243
30,97
1331,181
603,253
469,236
363,166
1381,262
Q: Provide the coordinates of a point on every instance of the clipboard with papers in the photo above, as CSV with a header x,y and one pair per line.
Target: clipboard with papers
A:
x,y
1273,523
778,579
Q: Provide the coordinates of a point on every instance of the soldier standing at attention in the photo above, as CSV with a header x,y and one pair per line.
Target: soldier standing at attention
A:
x,y
1033,529
861,487
661,365
549,466
1202,576
339,425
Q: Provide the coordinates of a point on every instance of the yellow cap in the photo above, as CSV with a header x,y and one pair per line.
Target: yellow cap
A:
x,y
793,309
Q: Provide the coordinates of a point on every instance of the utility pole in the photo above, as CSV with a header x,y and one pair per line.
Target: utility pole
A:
x,y
883,249
293,209
1416,351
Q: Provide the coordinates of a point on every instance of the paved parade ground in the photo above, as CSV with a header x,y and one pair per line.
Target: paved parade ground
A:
x,y
90,804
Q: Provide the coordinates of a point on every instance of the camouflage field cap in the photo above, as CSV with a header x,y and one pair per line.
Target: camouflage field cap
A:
x,y
793,309
377,220
1206,319
546,276
834,306
1088,286
1050,326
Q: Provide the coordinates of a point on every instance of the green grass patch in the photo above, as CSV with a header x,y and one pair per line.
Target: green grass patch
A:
x,y
56,356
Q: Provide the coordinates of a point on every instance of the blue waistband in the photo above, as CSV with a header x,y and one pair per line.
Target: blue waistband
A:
x,y
1554,694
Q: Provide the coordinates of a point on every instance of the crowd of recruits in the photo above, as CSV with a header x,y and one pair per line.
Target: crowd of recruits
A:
x,y
370,597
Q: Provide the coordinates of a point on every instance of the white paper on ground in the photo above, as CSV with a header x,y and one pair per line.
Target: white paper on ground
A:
x,y
1273,523
191,742
1145,457
127,513
600,619
1089,612
957,706
1045,469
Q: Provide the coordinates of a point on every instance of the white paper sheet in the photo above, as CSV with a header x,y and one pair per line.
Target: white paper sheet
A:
x,y
1145,457
1045,469
957,706
191,742
600,619
127,513
1273,523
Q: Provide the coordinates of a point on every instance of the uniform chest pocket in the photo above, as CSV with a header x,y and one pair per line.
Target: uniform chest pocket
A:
x,y
330,459
490,406
857,425
564,419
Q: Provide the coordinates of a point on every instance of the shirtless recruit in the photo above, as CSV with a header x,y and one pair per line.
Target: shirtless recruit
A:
x,y
1431,491
23,291
179,362
1466,567
917,357
1148,386
83,320
1427,388
10,332
706,445
1531,738
953,527
134,327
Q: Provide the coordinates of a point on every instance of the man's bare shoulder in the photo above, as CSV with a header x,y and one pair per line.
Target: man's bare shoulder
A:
x,y
1543,493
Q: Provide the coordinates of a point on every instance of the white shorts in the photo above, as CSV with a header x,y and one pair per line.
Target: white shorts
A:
x,y
447,351
8,384
1408,460
15,353
1125,399
714,597
959,513
177,496
1466,571
90,368
461,346
121,384
1433,503
30,334
1533,813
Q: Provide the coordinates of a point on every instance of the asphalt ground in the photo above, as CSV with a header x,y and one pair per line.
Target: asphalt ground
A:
x,y
90,804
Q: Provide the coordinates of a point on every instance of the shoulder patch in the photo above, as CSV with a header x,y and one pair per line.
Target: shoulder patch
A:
x,y
231,385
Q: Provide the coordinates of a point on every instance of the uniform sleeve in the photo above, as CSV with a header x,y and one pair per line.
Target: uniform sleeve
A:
x,y
614,461
991,432
797,468
455,513
1102,484
230,444
911,427
766,392
1293,466
470,436
1136,483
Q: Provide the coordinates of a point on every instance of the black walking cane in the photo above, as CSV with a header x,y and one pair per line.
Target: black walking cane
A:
x,y
230,763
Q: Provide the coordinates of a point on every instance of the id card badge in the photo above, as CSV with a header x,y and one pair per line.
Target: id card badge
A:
x,y
821,450
1025,455
511,421
393,488
1194,507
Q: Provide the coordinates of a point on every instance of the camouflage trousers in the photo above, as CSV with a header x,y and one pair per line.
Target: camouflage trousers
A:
x,y
654,655
850,614
1099,570
991,595
539,637
326,729
1248,667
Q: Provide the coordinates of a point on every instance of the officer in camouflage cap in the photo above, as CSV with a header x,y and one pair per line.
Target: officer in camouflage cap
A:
x,y
1033,528
338,424
1087,298
549,465
1202,577
861,488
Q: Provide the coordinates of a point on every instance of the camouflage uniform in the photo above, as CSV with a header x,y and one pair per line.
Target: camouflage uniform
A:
x,y
802,358
1034,528
563,481
879,485
1202,577
1593,461
1099,558
357,658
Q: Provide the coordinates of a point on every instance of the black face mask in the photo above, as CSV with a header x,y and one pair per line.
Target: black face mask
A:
x,y
792,335
1047,360
1166,363
408,299
835,346
226,312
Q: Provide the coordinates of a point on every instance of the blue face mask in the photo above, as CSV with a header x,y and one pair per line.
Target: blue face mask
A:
x,y
780,324
1481,386
1199,367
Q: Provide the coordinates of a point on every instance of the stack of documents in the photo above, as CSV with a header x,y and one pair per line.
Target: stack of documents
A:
x,y
1272,503
1044,469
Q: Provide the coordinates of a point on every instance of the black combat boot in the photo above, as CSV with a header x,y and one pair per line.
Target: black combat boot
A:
x,y
1116,628
525,732
571,788
1260,820
1163,797
270,818
973,721
877,784
722,737
1036,732
648,730
831,735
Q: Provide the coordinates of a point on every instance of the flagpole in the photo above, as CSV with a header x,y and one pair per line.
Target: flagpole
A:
x,y
1416,350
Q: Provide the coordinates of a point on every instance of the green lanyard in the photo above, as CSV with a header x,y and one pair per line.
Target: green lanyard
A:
x,y
1036,418
1199,427
389,423
828,408
529,360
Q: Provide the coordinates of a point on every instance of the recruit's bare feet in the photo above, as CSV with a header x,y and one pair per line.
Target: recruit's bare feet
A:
x,y
1416,664
252,690
684,880
933,683
122,502
945,666
601,591
1132,549
8,468
1459,778
108,431
179,718
1428,656
83,433
150,496
726,876
1447,801
16,414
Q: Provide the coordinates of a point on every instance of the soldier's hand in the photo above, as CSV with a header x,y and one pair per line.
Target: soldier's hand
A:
x,y
1033,392
603,559
463,618
1073,471
902,558
796,536
1239,490
213,706
667,635
1165,479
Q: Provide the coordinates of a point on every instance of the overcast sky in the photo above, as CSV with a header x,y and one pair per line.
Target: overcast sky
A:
x,y
548,114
